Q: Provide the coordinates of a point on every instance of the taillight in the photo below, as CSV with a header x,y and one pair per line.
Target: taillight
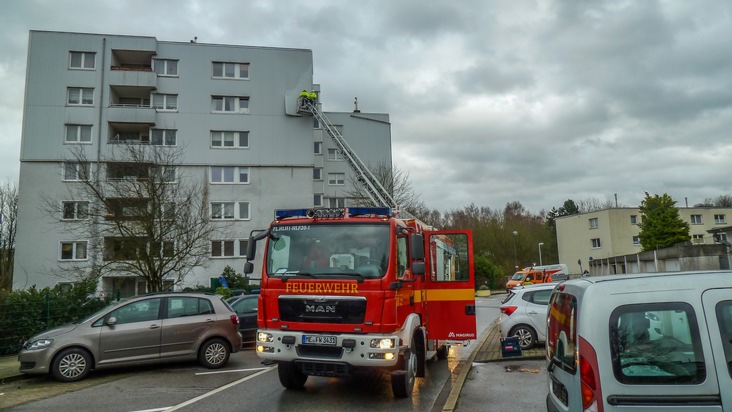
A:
x,y
508,310
234,319
589,378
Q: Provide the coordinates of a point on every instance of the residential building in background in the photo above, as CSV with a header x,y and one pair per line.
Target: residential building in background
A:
x,y
614,233
232,109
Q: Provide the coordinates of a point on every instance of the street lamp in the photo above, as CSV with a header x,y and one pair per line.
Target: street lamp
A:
x,y
515,262
540,243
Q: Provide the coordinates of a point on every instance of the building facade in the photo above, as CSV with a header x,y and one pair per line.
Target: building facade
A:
x,y
614,232
231,112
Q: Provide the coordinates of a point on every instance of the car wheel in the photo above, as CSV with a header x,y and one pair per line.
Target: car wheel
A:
x,y
402,380
214,354
290,375
71,365
525,334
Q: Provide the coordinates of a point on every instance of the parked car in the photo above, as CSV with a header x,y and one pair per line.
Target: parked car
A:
x,y
523,313
144,329
245,306
651,342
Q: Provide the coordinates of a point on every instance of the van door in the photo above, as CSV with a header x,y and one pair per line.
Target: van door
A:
x,y
718,311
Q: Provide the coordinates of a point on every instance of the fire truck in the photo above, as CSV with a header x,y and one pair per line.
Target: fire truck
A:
x,y
351,288
360,287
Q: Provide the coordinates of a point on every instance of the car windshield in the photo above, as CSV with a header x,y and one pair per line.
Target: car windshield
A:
x,y
518,276
329,250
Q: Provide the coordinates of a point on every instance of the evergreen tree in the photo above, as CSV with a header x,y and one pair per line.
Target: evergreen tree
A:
x,y
661,226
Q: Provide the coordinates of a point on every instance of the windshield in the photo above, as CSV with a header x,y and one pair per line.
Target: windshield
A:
x,y
328,250
518,276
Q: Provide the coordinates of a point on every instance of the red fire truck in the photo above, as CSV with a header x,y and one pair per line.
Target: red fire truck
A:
x,y
351,288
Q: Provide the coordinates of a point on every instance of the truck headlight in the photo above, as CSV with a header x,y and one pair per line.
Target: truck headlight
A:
x,y
384,343
264,337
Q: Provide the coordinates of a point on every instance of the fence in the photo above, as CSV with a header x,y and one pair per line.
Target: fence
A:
x,y
29,312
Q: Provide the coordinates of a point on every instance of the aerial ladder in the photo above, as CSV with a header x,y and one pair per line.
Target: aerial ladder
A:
x,y
377,194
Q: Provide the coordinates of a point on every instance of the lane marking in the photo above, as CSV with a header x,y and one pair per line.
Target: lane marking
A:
x,y
230,371
215,391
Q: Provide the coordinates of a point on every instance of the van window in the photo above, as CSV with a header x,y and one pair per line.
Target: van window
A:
x,y
724,317
562,331
656,343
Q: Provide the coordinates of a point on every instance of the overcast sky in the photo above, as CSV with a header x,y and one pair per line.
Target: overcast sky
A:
x,y
490,101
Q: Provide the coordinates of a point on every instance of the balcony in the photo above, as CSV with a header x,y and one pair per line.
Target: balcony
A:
x,y
133,76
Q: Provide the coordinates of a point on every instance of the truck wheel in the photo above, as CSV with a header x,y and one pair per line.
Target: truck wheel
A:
x,y
402,380
290,376
525,334
71,365
442,352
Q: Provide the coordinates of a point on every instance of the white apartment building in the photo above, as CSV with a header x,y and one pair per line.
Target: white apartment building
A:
x,y
614,232
231,108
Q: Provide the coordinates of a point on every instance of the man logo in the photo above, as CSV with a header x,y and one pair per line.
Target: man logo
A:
x,y
320,309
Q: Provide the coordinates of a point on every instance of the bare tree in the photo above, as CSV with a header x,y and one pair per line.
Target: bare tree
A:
x,y
8,226
142,216
396,182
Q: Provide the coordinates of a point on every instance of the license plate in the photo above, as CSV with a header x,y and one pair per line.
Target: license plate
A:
x,y
318,340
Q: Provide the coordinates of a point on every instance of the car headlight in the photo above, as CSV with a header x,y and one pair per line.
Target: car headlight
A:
x,y
37,344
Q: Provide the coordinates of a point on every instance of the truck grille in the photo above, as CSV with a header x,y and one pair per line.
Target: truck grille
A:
x,y
322,309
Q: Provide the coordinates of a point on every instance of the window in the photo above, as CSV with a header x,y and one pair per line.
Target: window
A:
x,y
724,317
243,245
336,178
165,67
140,311
318,173
593,223
126,208
636,240
402,258
452,251
697,239
337,202
127,171
222,248
167,174
82,60
595,243
696,219
79,96
656,343
78,133
75,210
720,237
719,220
163,137
230,210
633,219
223,70
230,104
334,154
539,297
165,101
185,306
318,148
562,331
73,250
167,211
229,139
229,174
76,171
318,199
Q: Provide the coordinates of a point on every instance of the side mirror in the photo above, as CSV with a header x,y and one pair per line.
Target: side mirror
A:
x,y
418,268
251,249
248,267
416,247
111,321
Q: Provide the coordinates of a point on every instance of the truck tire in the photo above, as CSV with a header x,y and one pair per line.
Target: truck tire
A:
x,y
402,379
290,376
442,352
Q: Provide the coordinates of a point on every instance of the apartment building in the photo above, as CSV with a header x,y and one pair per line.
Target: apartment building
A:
x,y
614,232
229,109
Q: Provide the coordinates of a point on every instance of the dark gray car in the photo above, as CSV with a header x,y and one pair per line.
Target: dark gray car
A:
x,y
144,329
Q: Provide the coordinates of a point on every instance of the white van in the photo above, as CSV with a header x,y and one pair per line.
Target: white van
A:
x,y
650,342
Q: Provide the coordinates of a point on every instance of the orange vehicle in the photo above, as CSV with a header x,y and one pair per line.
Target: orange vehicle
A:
x,y
344,289
538,274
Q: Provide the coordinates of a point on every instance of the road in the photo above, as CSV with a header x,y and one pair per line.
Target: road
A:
x,y
246,384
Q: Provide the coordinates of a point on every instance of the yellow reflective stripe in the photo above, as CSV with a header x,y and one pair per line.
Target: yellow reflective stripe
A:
x,y
450,294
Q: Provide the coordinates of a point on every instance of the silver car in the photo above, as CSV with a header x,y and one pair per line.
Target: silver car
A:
x,y
523,313
144,329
